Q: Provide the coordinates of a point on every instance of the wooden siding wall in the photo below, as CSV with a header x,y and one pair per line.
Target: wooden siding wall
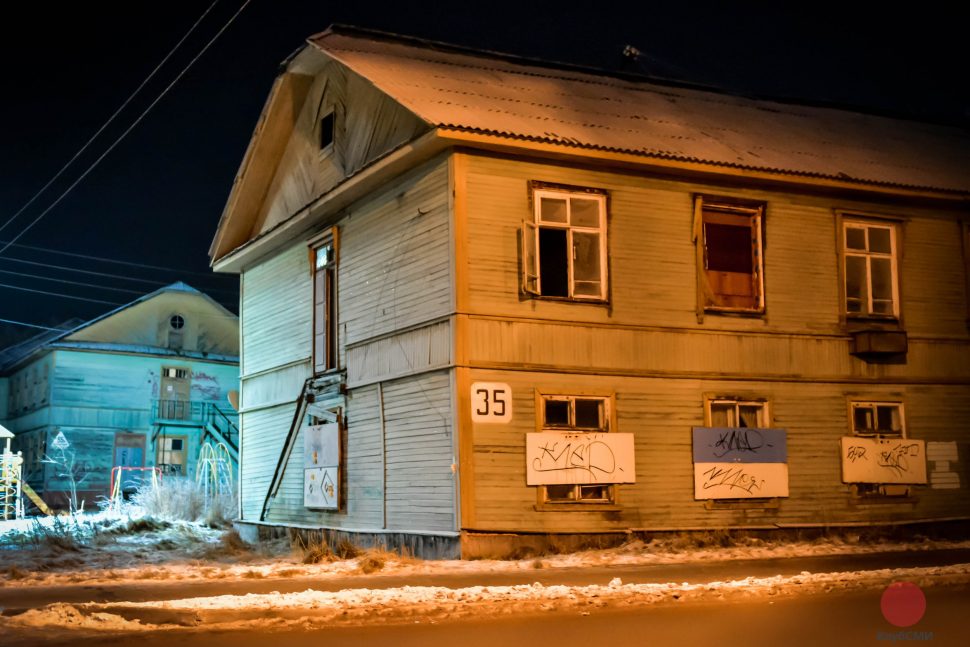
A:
x,y
394,270
649,346
367,124
394,300
661,412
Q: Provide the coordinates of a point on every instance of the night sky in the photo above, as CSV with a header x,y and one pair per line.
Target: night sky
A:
x,y
157,197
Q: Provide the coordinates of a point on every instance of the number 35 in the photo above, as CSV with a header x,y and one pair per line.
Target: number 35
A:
x,y
491,402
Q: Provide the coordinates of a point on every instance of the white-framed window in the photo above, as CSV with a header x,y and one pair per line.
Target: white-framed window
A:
x,y
730,255
877,419
736,412
323,254
870,267
576,414
564,251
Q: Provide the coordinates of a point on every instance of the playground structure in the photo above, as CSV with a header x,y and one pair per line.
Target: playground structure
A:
x,y
118,484
12,486
214,472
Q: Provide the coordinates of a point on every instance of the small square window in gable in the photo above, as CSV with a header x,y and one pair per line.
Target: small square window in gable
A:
x,y
326,131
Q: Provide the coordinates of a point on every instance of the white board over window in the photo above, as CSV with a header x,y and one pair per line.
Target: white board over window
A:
x,y
883,460
321,466
579,458
740,480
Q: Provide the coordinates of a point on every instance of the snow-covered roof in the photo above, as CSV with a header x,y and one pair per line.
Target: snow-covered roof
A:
x,y
522,99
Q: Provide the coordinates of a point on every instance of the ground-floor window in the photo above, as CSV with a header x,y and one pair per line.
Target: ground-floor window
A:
x,y
576,414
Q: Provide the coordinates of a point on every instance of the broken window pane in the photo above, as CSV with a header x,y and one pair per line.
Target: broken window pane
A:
x,y
594,492
588,414
584,212
750,415
728,248
560,492
557,413
552,210
888,419
882,283
879,240
855,238
553,262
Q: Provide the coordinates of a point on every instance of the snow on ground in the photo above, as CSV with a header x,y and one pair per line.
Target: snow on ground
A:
x,y
433,604
104,548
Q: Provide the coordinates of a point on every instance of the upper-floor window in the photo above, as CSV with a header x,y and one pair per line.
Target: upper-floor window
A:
x,y
730,255
586,414
564,246
324,256
869,256
326,131
877,419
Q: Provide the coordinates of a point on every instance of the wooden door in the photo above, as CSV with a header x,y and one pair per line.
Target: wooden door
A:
x,y
174,397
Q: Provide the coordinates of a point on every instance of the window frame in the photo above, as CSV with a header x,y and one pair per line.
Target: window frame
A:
x,y
328,274
607,425
331,115
854,404
754,212
738,401
531,275
847,220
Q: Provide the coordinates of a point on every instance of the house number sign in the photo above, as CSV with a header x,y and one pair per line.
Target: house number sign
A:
x,y
491,402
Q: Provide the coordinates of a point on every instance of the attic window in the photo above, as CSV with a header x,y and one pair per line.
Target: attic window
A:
x,y
177,322
326,131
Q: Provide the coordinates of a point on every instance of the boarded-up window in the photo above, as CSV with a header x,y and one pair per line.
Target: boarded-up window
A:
x,y
324,306
869,268
731,255
564,246
576,414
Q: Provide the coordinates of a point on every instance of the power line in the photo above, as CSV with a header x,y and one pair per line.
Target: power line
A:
x,y
27,325
103,259
57,294
82,284
127,130
110,119
109,275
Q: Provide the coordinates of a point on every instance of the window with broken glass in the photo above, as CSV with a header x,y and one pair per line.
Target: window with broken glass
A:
x,y
576,414
564,245
877,419
869,251
731,256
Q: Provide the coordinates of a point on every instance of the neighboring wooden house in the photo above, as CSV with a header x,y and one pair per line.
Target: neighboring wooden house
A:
x,y
143,385
487,299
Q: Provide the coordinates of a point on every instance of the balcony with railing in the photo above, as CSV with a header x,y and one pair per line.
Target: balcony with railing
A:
x,y
221,423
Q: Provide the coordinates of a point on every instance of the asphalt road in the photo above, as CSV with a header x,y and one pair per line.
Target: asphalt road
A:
x,y
14,598
852,618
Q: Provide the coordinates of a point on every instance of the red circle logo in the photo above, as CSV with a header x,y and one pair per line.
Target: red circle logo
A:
x,y
903,604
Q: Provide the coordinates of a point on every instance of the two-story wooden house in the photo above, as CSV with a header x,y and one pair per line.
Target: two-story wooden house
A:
x,y
488,300
145,385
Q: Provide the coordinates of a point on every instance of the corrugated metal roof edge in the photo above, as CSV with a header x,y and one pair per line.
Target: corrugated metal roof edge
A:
x,y
352,30
697,160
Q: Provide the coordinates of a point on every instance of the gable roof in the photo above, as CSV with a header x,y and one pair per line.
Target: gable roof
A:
x,y
503,102
494,94
73,332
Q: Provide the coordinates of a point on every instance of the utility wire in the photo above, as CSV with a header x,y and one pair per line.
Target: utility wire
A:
x,y
82,284
57,294
27,325
127,130
110,119
108,274
113,260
